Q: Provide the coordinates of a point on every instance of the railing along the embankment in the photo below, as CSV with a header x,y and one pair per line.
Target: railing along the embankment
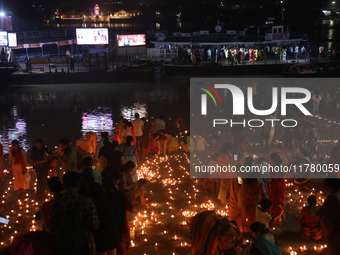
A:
x,y
47,34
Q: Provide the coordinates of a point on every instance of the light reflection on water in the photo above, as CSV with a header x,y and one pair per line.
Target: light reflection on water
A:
x,y
98,121
330,36
10,132
128,112
13,128
326,33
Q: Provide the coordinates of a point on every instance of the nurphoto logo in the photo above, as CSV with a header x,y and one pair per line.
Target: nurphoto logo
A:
x,y
238,99
225,109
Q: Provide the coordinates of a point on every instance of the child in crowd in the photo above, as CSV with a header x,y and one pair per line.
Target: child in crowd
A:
x,y
263,212
132,189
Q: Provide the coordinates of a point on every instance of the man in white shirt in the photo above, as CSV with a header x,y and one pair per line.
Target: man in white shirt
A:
x,y
138,126
126,131
209,52
296,51
303,51
158,124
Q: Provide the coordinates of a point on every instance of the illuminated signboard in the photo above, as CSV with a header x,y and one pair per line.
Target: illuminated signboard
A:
x,y
3,38
92,36
131,40
12,40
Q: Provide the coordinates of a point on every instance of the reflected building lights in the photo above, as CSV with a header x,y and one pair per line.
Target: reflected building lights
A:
x,y
98,121
129,112
15,111
19,133
330,37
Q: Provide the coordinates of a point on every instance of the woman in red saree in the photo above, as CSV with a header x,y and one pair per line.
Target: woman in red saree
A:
x,y
225,159
251,55
309,221
277,192
18,164
252,192
235,204
118,129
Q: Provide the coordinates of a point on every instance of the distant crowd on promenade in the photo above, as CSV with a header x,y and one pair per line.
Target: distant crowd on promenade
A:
x,y
196,54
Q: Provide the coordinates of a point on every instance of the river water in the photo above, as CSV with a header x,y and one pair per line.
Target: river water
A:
x,y
54,111
326,33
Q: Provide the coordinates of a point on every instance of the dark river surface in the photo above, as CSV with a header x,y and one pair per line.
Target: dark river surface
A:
x,y
53,111
325,33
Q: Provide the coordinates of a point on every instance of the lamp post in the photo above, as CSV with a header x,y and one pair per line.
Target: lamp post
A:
x,y
282,14
2,21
